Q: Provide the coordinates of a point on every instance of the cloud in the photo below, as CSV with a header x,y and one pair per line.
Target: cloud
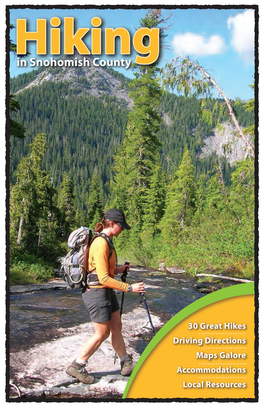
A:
x,y
195,44
242,29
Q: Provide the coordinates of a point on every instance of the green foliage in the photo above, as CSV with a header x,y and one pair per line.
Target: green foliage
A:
x,y
243,185
137,156
95,208
180,201
12,45
29,269
215,243
249,106
81,134
186,77
66,206
15,129
33,214
136,177
155,198
190,78
219,233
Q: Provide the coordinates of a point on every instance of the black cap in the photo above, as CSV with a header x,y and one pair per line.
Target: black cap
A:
x,y
117,216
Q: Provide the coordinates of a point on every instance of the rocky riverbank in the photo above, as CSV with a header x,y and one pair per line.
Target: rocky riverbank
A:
x,y
48,325
39,372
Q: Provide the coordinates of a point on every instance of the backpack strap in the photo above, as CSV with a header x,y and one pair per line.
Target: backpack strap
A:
x,y
92,277
110,244
108,240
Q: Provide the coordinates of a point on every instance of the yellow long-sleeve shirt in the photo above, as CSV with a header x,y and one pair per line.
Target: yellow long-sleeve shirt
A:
x,y
105,269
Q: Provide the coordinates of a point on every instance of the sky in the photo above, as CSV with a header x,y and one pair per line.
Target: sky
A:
x,y
221,40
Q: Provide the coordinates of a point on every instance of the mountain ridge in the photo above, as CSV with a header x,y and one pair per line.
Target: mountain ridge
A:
x,y
89,79
84,115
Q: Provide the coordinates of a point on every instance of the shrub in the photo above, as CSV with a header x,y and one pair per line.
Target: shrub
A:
x,y
28,269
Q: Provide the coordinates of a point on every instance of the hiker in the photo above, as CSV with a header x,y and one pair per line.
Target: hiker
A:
x,y
100,298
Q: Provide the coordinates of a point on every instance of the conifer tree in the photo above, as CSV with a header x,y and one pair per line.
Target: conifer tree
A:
x,y
180,200
155,198
139,154
243,185
32,208
119,182
200,194
94,203
216,193
66,201
15,129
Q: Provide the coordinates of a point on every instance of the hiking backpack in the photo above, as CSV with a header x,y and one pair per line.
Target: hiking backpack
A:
x,y
72,265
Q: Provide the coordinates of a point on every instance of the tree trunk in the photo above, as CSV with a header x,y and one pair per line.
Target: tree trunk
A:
x,y
240,280
232,114
20,227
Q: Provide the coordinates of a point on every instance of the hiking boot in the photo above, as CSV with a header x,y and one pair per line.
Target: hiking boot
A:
x,y
77,370
127,366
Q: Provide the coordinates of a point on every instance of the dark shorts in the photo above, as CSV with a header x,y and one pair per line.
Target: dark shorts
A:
x,y
101,303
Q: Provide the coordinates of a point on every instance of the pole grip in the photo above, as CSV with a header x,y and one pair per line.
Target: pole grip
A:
x,y
124,274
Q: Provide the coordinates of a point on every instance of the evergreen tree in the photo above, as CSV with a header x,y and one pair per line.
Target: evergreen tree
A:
x,y
66,201
139,154
94,204
200,194
32,208
155,198
243,185
180,201
250,107
119,182
15,129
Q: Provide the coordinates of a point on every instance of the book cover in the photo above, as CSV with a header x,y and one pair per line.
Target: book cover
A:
x,y
151,109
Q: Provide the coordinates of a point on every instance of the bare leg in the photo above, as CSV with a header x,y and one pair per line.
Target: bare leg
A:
x,y
116,337
102,331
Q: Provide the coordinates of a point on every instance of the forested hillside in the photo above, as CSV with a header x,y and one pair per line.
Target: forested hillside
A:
x,y
84,130
89,128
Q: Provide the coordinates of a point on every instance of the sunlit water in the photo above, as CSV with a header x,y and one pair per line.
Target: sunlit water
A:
x,y
36,317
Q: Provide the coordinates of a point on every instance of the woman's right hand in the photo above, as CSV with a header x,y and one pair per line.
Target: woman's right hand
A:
x,y
138,287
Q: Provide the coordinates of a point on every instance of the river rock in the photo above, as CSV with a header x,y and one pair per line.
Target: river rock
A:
x,y
175,270
40,372
55,284
170,269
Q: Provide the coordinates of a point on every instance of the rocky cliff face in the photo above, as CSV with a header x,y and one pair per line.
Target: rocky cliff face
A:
x,y
225,143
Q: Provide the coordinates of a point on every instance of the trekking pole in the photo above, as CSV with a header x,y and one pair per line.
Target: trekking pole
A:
x,y
123,279
147,309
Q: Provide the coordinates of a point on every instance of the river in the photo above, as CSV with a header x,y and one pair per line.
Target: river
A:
x,y
49,323
38,316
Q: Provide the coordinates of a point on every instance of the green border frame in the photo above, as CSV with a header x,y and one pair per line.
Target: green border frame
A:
x,y
234,291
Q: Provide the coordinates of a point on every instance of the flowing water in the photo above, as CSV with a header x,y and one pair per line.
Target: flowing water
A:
x,y
38,316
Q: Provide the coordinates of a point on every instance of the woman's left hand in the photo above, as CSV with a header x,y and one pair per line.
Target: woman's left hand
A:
x,y
124,267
